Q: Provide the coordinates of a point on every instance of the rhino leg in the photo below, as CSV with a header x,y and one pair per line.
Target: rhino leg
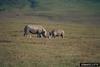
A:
x,y
62,35
39,35
30,36
54,36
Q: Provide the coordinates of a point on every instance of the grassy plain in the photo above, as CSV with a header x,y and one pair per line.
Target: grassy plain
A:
x,y
81,43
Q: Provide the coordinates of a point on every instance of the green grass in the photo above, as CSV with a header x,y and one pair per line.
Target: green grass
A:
x,y
81,43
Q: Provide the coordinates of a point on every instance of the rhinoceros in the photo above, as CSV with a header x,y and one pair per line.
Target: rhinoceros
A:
x,y
56,32
35,29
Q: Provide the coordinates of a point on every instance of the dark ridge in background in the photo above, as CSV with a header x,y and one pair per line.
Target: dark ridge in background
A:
x,y
60,10
48,4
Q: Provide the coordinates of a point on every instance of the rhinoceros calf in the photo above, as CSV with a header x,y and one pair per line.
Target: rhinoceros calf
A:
x,y
35,29
57,32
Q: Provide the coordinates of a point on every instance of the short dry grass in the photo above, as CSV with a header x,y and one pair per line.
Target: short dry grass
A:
x,y
81,43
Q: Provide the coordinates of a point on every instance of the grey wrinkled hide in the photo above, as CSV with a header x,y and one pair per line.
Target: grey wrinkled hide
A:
x,y
34,29
56,33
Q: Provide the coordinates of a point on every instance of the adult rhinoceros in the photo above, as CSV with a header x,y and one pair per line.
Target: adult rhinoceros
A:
x,y
57,32
35,29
